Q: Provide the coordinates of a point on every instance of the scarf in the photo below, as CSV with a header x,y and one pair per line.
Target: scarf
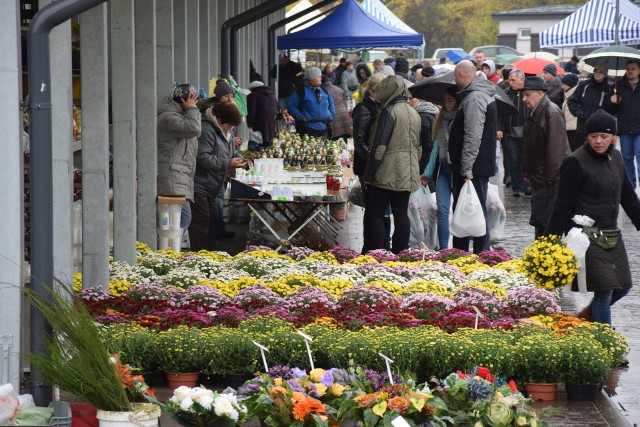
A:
x,y
316,90
443,135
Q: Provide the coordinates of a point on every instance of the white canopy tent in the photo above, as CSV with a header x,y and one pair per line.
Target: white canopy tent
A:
x,y
594,24
382,13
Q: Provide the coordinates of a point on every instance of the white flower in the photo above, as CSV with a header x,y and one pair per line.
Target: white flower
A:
x,y
186,403
203,397
182,392
223,407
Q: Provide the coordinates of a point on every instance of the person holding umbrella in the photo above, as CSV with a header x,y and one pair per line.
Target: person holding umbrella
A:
x,y
591,95
626,104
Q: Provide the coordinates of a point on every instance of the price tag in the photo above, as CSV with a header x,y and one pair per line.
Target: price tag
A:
x,y
399,422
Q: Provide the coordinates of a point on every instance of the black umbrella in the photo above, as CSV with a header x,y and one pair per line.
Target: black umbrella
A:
x,y
432,89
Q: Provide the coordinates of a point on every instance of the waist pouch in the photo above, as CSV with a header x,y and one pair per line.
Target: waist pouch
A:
x,y
352,87
606,239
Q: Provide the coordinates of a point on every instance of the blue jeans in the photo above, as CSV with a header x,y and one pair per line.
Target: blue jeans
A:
x,y
513,151
185,215
444,184
602,302
630,148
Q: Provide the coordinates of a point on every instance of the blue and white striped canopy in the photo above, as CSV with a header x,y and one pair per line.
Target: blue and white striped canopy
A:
x,y
594,25
382,13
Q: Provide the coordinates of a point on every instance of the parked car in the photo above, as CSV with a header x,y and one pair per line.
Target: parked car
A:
x,y
439,53
490,52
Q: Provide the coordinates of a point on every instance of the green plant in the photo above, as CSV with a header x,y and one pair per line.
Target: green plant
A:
x,y
231,352
134,344
183,349
584,360
612,341
76,358
537,356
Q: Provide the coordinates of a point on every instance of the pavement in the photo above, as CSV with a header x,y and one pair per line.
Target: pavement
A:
x,y
618,405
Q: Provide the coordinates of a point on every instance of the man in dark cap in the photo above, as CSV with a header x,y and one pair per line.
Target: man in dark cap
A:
x,y
553,84
428,71
572,66
286,74
545,147
339,70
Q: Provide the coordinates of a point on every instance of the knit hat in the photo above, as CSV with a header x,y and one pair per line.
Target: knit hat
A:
x,y
402,65
601,67
601,122
312,73
428,71
181,91
551,69
387,70
570,79
222,88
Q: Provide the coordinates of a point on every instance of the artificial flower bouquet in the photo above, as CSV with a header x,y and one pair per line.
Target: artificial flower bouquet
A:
x,y
549,262
200,407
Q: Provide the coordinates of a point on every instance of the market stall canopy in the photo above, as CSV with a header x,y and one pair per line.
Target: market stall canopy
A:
x,y
349,27
594,25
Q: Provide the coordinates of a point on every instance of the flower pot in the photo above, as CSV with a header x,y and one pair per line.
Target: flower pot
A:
x,y
582,392
541,391
154,378
142,415
188,379
236,380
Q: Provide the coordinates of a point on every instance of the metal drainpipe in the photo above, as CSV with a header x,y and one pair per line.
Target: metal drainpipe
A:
x,y
231,25
271,32
43,22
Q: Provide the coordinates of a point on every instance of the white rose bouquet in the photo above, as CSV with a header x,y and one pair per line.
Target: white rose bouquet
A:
x,y
201,407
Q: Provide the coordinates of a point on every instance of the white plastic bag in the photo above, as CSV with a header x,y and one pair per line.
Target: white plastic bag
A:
x,y
496,213
415,210
430,222
579,242
468,218
9,404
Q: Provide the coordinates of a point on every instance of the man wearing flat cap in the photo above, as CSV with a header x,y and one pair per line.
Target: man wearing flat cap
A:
x,y
545,147
311,106
591,95
553,84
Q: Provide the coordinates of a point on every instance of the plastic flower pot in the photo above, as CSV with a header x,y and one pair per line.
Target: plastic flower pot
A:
x,y
582,392
542,391
188,379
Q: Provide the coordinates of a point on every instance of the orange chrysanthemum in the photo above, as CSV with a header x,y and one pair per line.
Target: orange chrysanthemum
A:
x,y
275,391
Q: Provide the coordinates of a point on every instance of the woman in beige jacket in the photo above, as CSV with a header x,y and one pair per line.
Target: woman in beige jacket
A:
x,y
569,84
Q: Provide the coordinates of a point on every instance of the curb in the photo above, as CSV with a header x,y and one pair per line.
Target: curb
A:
x,y
610,411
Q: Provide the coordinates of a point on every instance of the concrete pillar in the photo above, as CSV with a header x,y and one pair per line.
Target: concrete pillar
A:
x,y
11,208
214,39
164,47
204,31
95,150
180,41
62,134
193,42
146,102
124,130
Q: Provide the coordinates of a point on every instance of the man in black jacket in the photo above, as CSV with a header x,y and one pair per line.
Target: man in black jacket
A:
x,y
553,84
286,74
627,107
591,95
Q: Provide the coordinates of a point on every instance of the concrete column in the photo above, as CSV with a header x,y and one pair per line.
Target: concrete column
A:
x,y
193,42
146,102
11,208
62,133
214,39
164,47
180,41
95,150
204,31
123,92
